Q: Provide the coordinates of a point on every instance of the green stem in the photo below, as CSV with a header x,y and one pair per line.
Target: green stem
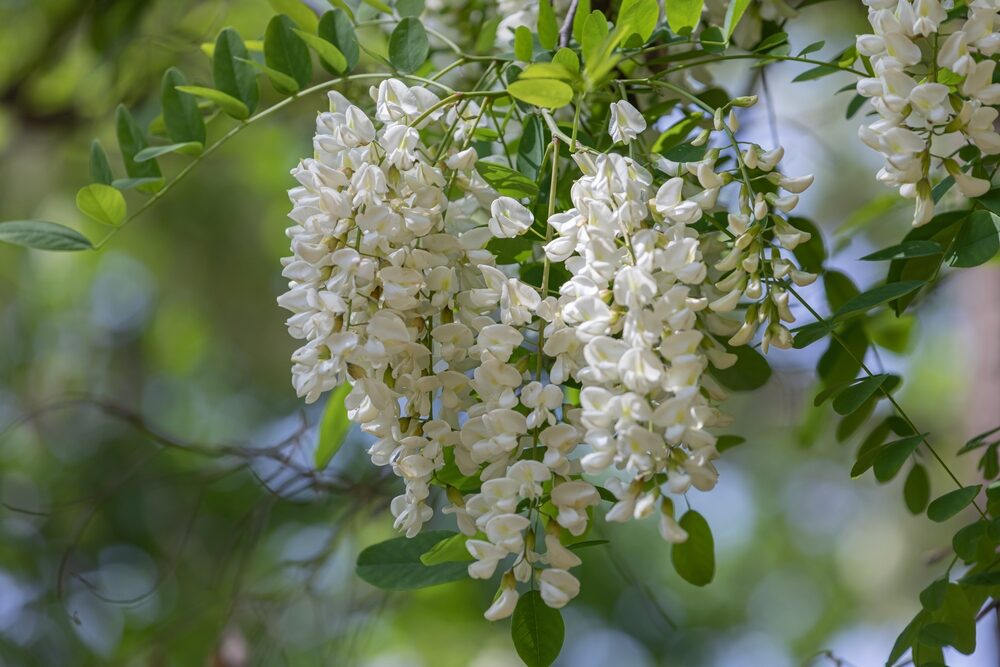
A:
x,y
239,128
553,184
888,395
754,56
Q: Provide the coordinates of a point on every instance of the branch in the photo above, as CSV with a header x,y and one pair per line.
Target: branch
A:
x,y
566,31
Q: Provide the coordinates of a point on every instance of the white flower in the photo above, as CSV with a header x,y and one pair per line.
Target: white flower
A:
x,y
504,605
625,122
509,218
558,587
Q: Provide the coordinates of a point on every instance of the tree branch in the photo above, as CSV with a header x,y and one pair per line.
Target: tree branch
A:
x,y
566,31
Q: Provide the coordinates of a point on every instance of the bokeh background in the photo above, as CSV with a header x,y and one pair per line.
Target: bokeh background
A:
x,y
157,502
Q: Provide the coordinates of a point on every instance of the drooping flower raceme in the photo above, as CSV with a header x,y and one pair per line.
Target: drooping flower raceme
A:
x,y
933,89
516,397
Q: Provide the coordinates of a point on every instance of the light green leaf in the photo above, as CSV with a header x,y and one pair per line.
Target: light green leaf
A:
x,y
537,630
410,7
449,550
102,203
131,140
640,16
136,183
506,181
950,504
187,148
582,13
694,558
531,148
227,103
523,49
812,48
299,11
233,74
595,31
286,52
568,59
408,45
734,13
683,15
333,427
379,5
548,32
545,93
335,27
395,564
100,168
547,71
42,235
327,52
283,83
181,116
906,249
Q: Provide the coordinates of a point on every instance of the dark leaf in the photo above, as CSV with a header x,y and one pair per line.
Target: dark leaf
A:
x,y
42,235
181,115
395,564
537,630
694,558
231,73
408,45
950,504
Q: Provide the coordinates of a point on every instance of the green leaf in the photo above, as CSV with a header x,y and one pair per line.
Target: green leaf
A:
x,y
810,333
751,370
877,296
595,31
131,141
379,5
153,152
299,12
551,70
523,48
537,630
854,106
286,51
812,48
410,7
817,72
582,13
694,558
449,550
135,183
892,455
42,235
102,203
227,103
725,442
506,181
640,16
548,32
950,504
772,41
854,396
181,117
328,53
531,148
395,564
408,45
333,427
568,59
712,40
917,489
966,541
904,250
282,82
232,74
981,579
335,27
734,13
932,597
100,168
977,242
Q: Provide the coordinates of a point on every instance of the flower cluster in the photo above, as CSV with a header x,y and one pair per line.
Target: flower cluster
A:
x,y
503,392
933,91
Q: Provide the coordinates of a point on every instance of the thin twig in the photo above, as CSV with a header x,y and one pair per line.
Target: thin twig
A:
x,y
566,31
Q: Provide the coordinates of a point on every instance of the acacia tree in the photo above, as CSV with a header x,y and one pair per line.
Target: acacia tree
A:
x,y
536,306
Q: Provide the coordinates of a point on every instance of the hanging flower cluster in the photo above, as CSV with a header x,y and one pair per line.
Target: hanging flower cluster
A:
x,y
933,91
462,371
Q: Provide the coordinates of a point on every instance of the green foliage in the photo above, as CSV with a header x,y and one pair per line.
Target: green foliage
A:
x,y
640,16
537,630
229,104
299,12
101,203
546,93
336,28
951,503
286,51
333,427
523,48
181,115
408,45
42,235
449,550
694,558
548,32
734,12
395,564
100,168
131,141
917,489
506,181
751,370
233,74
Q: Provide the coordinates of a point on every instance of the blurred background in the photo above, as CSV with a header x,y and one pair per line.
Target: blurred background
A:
x,y
158,506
